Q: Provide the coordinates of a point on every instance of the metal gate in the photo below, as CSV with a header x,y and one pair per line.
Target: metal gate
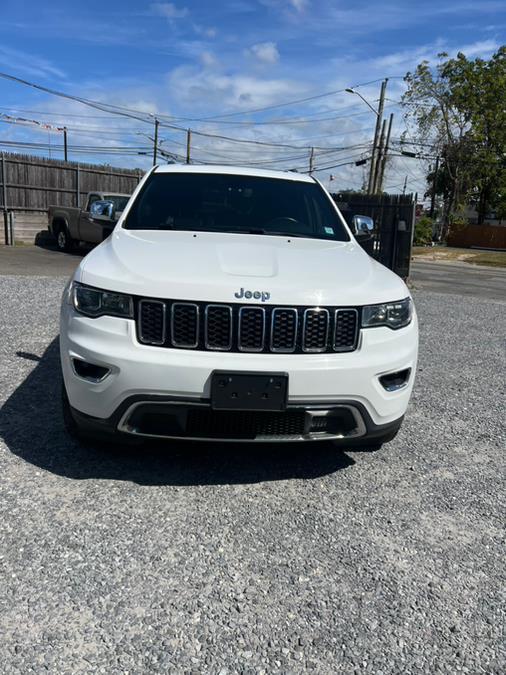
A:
x,y
394,217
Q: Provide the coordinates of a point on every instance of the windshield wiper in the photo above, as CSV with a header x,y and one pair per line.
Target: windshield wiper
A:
x,y
259,230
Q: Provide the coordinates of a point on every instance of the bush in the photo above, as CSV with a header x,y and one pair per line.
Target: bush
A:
x,y
423,231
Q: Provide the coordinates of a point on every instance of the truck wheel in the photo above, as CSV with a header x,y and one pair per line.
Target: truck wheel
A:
x,y
64,240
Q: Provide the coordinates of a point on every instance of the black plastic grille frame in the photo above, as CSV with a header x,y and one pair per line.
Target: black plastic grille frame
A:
x,y
246,328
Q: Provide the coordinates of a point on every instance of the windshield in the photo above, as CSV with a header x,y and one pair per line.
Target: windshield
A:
x,y
242,204
118,201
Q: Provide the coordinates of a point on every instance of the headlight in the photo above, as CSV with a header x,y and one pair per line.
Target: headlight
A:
x,y
94,302
392,314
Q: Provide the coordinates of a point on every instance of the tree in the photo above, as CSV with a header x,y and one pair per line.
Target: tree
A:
x,y
458,109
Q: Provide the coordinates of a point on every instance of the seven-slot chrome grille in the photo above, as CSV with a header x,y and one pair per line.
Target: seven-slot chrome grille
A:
x,y
246,328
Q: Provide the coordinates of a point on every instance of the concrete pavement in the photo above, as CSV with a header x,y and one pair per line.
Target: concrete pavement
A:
x,y
460,278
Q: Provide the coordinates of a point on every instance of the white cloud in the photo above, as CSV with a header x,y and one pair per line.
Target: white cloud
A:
x,y
210,91
29,64
267,52
208,59
299,5
169,10
205,31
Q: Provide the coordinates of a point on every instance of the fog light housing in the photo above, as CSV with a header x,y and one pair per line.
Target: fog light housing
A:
x,y
395,381
90,371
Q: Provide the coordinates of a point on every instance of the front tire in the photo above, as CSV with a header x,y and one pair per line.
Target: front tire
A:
x,y
71,426
64,241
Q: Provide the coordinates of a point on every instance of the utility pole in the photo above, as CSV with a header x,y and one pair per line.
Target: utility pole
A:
x,y
311,162
65,148
385,153
434,185
379,158
379,118
155,142
405,184
188,145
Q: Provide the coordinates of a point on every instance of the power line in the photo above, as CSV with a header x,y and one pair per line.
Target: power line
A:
x,y
294,102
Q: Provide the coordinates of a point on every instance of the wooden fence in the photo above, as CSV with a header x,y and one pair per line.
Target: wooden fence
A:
x,y
29,185
34,183
480,236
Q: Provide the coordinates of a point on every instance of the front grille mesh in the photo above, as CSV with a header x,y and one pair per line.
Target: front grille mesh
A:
x,y
250,328
152,322
243,424
185,325
345,330
284,330
316,322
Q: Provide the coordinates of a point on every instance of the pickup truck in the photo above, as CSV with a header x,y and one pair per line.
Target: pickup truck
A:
x,y
236,304
93,224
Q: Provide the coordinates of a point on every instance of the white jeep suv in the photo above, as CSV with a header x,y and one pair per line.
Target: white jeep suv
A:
x,y
235,304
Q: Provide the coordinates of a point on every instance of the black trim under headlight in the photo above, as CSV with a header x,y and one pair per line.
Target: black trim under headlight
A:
x,y
94,302
390,314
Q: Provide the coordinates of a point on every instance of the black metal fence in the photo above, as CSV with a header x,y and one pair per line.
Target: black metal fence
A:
x,y
394,217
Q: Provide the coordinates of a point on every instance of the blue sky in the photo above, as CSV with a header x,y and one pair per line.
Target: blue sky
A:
x,y
192,59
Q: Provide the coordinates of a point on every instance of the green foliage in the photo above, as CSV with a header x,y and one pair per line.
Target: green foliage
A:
x,y
423,231
458,107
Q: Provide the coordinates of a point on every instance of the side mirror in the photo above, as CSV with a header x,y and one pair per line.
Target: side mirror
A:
x,y
102,209
363,227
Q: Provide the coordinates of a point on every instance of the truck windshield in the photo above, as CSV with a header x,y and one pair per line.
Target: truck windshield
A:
x,y
239,204
119,201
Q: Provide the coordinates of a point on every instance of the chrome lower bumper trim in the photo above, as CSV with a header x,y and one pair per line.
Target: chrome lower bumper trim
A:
x,y
310,414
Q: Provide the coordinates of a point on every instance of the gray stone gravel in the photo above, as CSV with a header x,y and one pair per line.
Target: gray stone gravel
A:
x,y
210,559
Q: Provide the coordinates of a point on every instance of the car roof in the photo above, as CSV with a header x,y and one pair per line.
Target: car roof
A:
x,y
113,194
232,171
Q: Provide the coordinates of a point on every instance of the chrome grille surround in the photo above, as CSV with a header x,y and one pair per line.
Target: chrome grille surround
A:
x,y
224,347
241,339
144,306
352,337
292,345
190,344
319,313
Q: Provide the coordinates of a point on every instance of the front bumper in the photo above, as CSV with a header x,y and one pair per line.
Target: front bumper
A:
x,y
164,417
142,373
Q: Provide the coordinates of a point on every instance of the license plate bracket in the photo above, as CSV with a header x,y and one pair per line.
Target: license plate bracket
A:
x,y
248,391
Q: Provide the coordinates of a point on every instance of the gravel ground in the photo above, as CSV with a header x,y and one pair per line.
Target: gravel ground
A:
x,y
236,560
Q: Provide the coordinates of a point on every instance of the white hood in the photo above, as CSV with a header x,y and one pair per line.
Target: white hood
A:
x,y
213,267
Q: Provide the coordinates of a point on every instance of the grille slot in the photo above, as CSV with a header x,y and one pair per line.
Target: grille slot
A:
x,y
218,327
184,326
284,330
316,330
152,322
251,329
345,330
